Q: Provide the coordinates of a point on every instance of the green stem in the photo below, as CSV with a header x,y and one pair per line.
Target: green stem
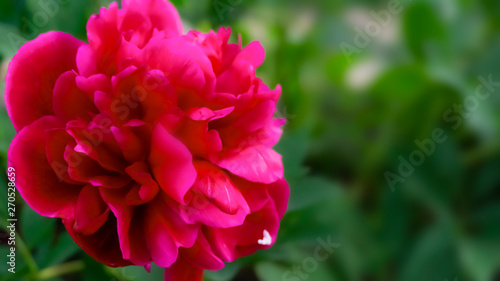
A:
x,y
58,270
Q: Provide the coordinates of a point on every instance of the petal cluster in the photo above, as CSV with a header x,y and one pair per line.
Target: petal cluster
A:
x,y
150,144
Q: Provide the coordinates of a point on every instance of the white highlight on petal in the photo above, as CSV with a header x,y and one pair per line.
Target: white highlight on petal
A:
x,y
267,240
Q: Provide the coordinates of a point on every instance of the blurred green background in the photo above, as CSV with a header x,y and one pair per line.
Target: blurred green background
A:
x,y
366,85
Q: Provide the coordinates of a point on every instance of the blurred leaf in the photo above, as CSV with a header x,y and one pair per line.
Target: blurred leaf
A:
x,y
296,141
7,46
53,254
138,273
225,274
35,228
7,132
424,37
267,271
310,191
480,258
432,257
94,271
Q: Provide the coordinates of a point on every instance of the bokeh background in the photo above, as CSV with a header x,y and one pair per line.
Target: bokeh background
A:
x,y
366,84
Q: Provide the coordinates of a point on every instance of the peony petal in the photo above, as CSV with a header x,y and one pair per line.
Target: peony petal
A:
x,y
279,192
201,255
253,53
130,226
162,14
98,82
32,75
103,245
36,181
183,63
132,146
231,243
91,212
171,163
82,168
165,232
55,145
96,140
69,101
254,163
182,270
145,189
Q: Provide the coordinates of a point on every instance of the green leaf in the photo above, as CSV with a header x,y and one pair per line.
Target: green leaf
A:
x,y
481,259
136,273
9,35
225,274
35,228
53,254
310,191
432,257
424,32
268,271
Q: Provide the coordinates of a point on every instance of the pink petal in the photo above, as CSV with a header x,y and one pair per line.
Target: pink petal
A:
x,y
32,75
98,82
183,63
252,53
216,201
171,163
165,232
231,243
254,163
162,14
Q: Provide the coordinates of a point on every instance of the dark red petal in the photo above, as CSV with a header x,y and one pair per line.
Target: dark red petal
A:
x,y
37,182
145,189
91,212
182,270
82,168
130,226
132,146
32,75
56,142
201,255
97,141
69,101
103,245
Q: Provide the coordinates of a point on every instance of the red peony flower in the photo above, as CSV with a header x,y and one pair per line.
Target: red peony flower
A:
x,y
151,145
